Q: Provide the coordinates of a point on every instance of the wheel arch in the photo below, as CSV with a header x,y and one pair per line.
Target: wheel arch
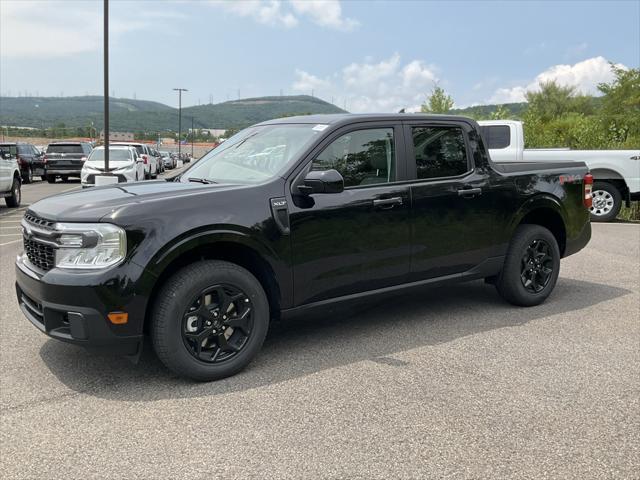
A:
x,y
547,212
612,177
226,246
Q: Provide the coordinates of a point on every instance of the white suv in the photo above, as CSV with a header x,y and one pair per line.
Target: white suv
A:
x,y
150,163
10,179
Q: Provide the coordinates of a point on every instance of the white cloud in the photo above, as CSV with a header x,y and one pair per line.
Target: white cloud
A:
x,y
280,13
38,28
306,82
326,13
384,86
584,75
267,12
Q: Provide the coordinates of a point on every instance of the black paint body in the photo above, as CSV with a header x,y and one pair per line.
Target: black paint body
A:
x,y
306,250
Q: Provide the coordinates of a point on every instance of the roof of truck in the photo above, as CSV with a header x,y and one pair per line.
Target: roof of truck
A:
x,y
334,118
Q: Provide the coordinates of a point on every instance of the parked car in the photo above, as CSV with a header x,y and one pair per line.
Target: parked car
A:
x,y
159,161
144,151
353,208
65,159
10,178
124,163
30,159
616,172
168,160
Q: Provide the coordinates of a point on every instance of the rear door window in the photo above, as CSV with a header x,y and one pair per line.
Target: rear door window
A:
x,y
440,151
496,136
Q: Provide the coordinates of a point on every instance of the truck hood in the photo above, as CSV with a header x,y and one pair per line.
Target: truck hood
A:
x,y
96,203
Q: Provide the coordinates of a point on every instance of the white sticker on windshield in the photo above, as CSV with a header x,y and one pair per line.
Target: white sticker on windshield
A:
x,y
320,128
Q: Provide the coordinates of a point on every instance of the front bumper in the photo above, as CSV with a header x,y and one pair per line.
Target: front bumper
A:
x,y
74,310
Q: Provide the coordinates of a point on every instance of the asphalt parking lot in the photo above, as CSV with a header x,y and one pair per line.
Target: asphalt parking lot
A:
x,y
445,383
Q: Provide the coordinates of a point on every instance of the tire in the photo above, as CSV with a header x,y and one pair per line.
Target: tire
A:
x,y
51,178
16,194
175,302
28,178
64,178
527,243
607,201
43,178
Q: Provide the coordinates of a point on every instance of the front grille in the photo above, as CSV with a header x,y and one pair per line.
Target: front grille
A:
x,y
39,254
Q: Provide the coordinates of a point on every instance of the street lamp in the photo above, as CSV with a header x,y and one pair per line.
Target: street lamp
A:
x,y
180,90
192,134
106,85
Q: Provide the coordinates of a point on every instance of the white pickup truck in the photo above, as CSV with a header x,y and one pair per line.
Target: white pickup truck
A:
x,y
616,172
10,179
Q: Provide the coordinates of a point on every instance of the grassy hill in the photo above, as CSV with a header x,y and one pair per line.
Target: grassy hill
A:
x,y
484,111
142,115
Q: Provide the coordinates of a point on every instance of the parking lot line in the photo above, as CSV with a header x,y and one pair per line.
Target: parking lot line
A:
x,y
12,241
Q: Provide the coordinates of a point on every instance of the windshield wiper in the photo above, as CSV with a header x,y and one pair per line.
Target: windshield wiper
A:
x,y
200,180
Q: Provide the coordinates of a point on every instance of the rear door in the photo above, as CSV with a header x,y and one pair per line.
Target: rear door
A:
x,y
357,240
453,211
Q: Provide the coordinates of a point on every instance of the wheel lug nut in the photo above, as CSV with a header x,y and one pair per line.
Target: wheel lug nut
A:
x,y
246,300
224,317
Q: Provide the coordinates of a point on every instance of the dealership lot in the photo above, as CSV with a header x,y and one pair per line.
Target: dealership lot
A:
x,y
442,383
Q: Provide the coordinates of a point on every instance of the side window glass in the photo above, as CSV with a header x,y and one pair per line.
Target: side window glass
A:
x,y
363,157
497,136
439,152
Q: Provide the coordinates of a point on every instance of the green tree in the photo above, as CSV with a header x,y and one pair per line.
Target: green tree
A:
x,y
621,106
554,100
438,102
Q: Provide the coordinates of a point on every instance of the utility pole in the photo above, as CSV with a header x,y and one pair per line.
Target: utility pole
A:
x,y
192,135
180,90
106,84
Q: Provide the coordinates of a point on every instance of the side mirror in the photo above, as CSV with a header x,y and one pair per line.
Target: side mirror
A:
x,y
322,181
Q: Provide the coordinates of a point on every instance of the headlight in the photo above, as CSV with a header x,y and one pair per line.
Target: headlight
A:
x,y
89,245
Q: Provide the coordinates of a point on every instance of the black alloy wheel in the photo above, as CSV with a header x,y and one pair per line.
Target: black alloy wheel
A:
x,y
537,266
218,323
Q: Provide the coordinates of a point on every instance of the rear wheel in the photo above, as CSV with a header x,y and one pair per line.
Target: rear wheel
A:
x,y
14,199
607,201
28,176
531,267
210,320
51,178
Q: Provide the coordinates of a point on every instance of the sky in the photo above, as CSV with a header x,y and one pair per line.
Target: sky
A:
x,y
367,56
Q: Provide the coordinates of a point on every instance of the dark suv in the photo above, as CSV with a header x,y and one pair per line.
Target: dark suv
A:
x,y
65,159
30,159
289,215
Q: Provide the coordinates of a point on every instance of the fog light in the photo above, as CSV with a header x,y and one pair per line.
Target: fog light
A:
x,y
118,318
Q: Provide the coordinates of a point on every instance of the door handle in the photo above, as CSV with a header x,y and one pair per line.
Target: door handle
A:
x,y
469,192
387,202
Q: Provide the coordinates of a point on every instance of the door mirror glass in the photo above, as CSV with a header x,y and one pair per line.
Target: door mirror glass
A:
x,y
322,181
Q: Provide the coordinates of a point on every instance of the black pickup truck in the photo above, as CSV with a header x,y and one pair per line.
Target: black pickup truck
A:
x,y
289,215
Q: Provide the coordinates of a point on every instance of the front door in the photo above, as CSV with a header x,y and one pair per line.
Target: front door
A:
x,y
357,240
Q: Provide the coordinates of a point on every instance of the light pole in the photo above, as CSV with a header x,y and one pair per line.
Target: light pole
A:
x,y
106,85
192,134
180,90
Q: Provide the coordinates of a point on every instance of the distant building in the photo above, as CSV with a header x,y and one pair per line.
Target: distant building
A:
x,y
214,132
118,136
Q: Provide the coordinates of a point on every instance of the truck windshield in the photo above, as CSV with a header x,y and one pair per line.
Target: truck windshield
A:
x,y
254,155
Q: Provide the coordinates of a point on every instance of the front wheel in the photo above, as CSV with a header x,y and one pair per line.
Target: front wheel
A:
x,y
531,267
210,320
607,201
14,199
